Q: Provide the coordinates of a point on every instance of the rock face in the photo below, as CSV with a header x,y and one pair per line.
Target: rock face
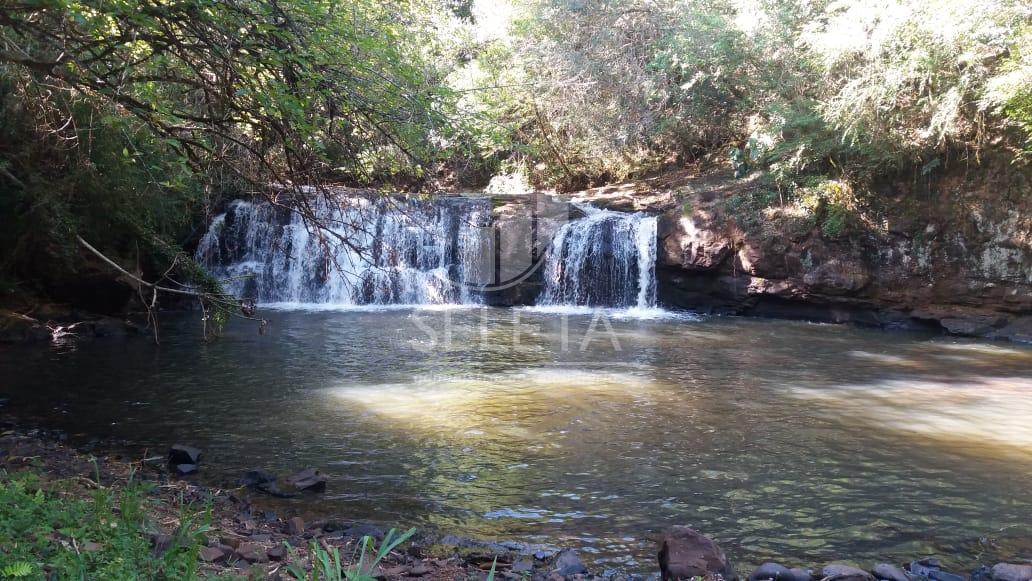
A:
x,y
685,553
959,262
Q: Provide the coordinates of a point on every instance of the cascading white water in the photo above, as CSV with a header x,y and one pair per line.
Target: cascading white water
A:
x,y
371,252
604,259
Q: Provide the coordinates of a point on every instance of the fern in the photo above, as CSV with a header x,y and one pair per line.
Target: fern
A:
x,y
17,570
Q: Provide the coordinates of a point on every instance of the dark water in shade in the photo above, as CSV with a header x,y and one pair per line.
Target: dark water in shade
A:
x,y
799,442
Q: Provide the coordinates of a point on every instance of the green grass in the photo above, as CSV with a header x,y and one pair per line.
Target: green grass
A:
x,y
326,563
47,528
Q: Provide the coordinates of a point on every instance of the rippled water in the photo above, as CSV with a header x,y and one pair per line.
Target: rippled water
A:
x,y
790,440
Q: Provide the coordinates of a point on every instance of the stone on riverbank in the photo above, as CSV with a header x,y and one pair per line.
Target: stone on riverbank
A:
x,y
1011,572
568,564
685,553
213,555
181,454
776,572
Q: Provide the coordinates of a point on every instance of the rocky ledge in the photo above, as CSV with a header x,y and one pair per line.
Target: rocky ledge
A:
x,y
954,254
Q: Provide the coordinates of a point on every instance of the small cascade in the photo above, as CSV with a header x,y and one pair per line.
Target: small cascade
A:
x,y
606,259
385,251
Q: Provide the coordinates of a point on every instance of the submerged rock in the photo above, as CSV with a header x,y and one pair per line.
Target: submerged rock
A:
x,y
1011,572
685,553
888,572
842,572
255,478
930,569
308,480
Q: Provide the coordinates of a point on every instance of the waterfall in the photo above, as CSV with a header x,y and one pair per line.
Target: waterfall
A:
x,y
604,259
385,251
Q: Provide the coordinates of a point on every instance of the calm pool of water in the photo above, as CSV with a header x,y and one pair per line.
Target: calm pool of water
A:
x,y
799,442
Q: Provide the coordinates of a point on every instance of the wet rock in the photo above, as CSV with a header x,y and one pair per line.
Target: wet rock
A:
x,y
255,478
113,327
1011,572
213,555
184,469
18,328
273,489
308,480
930,569
180,454
568,564
295,526
685,553
888,572
841,572
776,572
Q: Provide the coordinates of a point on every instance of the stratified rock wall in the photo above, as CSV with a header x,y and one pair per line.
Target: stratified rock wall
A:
x,y
959,258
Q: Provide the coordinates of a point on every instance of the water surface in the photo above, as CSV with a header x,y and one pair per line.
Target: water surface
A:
x,y
794,441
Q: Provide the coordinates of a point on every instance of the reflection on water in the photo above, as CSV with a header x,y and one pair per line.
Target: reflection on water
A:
x,y
800,442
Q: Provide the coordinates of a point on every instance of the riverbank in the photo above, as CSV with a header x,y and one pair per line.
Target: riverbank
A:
x,y
63,509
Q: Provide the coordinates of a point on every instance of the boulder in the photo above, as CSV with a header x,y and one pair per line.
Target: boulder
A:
x,y
1011,572
567,564
308,480
841,572
254,478
887,572
685,553
181,454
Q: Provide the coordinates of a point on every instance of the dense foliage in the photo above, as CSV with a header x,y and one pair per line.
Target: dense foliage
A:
x,y
600,90
47,531
123,119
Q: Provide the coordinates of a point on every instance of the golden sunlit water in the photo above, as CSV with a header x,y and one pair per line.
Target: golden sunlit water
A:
x,y
790,441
